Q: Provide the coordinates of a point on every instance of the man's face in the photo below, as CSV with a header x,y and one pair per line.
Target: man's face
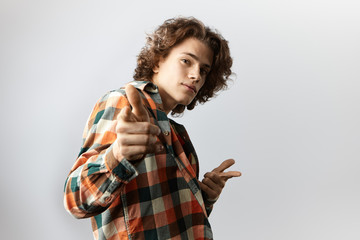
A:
x,y
182,73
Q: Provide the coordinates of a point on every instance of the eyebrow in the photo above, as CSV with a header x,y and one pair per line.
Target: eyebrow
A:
x,y
196,58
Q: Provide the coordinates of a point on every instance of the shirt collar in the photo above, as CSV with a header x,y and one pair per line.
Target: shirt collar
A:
x,y
145,86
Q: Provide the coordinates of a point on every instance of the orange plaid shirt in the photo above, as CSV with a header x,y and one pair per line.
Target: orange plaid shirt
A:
x,y
155,198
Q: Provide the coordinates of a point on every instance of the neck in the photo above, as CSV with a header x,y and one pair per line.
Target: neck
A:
x,y
168,104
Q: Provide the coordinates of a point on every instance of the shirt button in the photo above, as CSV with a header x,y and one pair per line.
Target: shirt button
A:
x,y
166,133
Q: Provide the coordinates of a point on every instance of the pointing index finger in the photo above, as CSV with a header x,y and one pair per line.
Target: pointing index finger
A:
x,y
125,115
135,101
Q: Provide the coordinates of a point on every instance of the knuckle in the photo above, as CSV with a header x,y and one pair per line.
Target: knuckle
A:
x,y
217,177
122,140
211,174
120,127
206,181
124,151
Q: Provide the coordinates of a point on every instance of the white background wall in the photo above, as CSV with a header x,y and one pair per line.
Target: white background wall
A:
x,y
290,118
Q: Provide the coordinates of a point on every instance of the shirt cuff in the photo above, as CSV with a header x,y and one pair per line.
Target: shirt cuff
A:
x,y
210,202
123,170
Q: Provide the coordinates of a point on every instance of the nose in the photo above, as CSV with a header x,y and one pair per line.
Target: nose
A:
x,y
194,74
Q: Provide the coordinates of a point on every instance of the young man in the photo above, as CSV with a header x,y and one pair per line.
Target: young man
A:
x,y
137,173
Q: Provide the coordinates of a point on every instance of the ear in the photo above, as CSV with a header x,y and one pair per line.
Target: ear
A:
x,y
156,68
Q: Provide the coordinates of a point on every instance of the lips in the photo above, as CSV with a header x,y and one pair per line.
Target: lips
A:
x,y
190,87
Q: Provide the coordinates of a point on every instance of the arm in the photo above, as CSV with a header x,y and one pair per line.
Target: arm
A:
x,y
105,164
96,177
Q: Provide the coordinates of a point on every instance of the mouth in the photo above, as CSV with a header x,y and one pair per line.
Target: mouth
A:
x,y
190,87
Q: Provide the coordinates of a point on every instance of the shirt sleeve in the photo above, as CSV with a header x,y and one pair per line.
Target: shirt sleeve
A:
x,y
209,204
97,176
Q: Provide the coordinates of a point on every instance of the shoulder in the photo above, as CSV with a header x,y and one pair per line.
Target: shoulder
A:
x,y
110,104
117,97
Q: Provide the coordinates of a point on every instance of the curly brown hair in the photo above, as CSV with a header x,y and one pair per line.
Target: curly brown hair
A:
x,y
174,31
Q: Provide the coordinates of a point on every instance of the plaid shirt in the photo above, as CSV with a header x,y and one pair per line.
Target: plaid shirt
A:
x,y
155,198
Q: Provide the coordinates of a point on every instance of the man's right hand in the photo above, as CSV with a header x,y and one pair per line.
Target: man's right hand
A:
x,y
136,135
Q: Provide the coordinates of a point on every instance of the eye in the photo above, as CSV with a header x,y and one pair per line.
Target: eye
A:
x,y
184,60
203,72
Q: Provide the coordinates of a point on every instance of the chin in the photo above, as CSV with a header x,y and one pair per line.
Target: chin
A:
x,y
185,103
184,99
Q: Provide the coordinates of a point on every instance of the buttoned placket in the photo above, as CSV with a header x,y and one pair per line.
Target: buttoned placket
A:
x,y
162,121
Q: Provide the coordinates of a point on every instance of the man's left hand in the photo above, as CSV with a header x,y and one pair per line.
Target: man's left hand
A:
x,y
214,181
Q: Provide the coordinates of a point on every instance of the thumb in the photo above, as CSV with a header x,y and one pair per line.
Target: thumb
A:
x,y
135,101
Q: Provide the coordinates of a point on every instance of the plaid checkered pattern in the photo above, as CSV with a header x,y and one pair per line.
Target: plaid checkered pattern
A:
x,y
155,198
